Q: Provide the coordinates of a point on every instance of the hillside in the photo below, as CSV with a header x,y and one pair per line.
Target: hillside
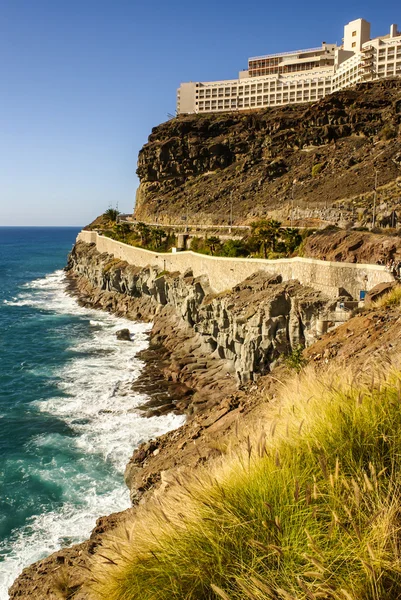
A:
x,y
352,246
310,509
222,409
192,164
364,347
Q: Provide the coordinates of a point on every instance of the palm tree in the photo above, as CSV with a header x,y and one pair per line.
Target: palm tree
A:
x,y
212,243
265,232
157,234
123,229
111,214
144,233
292,238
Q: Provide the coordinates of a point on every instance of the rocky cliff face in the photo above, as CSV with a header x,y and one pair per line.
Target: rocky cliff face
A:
x,y
248,328
353,246
214,347
192,163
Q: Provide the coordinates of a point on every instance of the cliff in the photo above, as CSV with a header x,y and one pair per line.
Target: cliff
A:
x,y
211,349
214,345
192,164
353,246
197,332
248,327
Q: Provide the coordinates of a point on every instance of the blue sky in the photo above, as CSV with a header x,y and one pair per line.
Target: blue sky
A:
x,y
84,81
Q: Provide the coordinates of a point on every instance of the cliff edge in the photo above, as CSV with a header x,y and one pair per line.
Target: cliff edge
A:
x,y
317,158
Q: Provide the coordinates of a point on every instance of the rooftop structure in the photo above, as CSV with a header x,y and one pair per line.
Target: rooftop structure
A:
x,y
299,75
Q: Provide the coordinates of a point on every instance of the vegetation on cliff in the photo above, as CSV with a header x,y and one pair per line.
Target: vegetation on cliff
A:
x,y
266,239
309,509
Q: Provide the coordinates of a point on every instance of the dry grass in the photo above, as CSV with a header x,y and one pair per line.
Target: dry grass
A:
x,y
308,509
391,299
62,587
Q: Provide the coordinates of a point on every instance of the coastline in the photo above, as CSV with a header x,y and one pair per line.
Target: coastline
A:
x,y
198,382
165,395
38,581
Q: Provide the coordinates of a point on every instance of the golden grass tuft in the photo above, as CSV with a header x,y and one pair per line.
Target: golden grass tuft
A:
x,y
391,299
309,508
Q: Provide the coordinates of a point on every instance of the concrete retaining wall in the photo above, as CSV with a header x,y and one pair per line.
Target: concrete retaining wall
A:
x,y
224,273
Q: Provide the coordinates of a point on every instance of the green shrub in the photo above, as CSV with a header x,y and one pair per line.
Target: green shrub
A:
x,y
316,169
309,509
294,359
111,214
235,248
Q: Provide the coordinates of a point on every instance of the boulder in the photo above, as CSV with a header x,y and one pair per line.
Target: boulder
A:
x,y
123,335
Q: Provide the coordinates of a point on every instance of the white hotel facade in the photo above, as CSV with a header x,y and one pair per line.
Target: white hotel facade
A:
x,y
299,76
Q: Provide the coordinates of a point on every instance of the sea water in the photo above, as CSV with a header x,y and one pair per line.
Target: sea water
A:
x,y
68,418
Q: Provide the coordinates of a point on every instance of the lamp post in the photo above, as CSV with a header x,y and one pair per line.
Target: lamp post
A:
x,y
186,215
374,201
292,202
231,211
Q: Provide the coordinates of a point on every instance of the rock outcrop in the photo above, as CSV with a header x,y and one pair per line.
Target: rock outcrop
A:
x,y
212,347
192,164
248,327
353,246
123,335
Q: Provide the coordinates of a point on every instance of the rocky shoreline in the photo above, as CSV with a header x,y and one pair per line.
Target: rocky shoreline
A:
x,y
209,357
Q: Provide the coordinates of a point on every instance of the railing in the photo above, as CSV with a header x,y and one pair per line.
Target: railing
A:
x,y
184,225
226,272
285,53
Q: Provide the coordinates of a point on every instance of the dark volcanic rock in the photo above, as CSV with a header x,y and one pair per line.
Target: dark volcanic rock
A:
x,y
378,291
192,163
238,332
123,334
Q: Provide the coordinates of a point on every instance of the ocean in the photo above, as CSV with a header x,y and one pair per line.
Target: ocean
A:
x,y
68,418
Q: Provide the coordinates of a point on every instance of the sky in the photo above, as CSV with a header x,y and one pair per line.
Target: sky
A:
x,y
82,83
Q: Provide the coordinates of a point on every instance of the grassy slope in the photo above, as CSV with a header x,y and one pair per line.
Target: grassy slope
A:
x,y
309,509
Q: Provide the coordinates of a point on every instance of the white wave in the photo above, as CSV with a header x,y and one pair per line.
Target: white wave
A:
x,y
95,323
100,409
50,531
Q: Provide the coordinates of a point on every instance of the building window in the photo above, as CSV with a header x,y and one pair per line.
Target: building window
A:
x,y
353,44
353,33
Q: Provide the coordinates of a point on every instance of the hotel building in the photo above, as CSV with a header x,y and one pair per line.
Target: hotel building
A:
x,y
299,76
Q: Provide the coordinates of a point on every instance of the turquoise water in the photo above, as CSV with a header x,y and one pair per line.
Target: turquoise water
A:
x,y
68,422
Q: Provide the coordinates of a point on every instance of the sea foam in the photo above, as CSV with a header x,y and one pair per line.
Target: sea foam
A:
x,y
103,422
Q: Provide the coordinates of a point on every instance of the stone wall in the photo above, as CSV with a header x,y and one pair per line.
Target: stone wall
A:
x,y
333,278
250,326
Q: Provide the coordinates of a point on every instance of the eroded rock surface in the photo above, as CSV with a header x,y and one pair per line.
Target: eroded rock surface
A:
x,y
192,164
248,328
207,349
353,246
